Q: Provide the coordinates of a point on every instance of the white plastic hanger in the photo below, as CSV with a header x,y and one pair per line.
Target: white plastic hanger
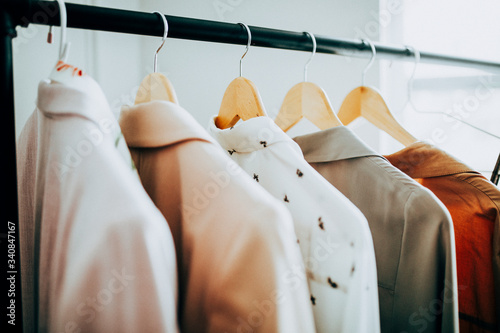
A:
x,y
156,86
241,99
308,100
411,103
62,72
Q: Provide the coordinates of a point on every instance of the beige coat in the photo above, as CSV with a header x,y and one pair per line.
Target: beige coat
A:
x,y
239,264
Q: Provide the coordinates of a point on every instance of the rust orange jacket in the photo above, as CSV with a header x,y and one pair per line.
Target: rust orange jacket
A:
x,y
474,204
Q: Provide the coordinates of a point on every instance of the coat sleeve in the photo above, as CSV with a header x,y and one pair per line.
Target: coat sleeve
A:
x,y
428,265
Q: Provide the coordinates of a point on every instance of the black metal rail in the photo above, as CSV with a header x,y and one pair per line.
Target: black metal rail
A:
x,y
141,23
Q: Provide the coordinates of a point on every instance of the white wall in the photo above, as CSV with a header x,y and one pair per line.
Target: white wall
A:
x,y
199,71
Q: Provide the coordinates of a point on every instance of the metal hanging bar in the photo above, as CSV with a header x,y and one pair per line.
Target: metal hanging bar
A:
x,y
142,23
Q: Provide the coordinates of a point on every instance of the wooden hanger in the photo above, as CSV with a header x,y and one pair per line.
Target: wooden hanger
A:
x,y
241,99
308,100
368,103
156,86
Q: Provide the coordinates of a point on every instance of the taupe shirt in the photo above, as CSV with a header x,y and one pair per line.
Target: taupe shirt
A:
x,y
412,232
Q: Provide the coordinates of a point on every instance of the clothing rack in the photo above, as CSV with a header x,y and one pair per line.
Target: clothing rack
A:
x,y
495,175
23,12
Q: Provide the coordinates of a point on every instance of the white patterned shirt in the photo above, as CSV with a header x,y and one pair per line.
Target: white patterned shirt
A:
x,y
333,235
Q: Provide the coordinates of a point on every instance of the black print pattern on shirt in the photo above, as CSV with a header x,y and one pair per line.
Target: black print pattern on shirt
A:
x,y
231,152
264,143
332,284
313,300
286,198
299,173
256,177
352,270
321,224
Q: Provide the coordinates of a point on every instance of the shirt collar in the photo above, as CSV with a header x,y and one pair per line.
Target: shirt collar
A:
x,y
159,124
333,144
423,160
83,97
250,135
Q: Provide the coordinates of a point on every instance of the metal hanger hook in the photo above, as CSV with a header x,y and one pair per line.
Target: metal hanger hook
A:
x,y
312,55
249,33
165,34
412,77
63,45
372,59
